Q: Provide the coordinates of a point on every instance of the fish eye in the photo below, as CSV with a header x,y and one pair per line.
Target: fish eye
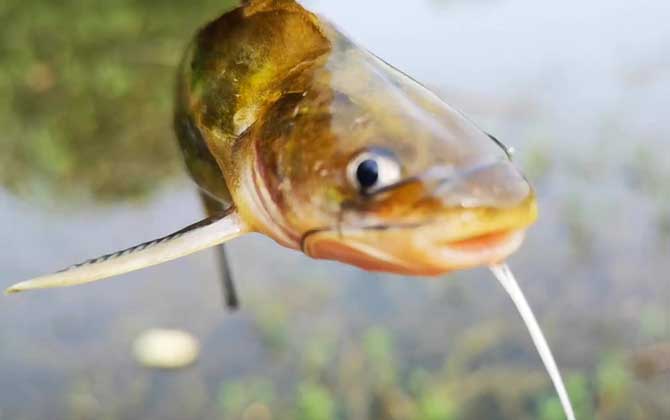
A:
x,y
373,169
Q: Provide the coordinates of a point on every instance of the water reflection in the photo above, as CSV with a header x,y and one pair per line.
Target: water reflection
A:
x,y
581,100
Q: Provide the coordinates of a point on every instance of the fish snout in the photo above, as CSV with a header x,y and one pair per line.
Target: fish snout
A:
x,y
496,184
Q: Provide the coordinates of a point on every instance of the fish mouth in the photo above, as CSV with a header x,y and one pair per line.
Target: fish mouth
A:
x,y
482,242
452,239
417,250
484,250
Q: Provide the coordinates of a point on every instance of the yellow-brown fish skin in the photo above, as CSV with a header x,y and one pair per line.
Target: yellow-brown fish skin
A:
x,y
275,105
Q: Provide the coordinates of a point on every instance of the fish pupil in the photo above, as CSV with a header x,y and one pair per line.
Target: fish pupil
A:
x,y
367,174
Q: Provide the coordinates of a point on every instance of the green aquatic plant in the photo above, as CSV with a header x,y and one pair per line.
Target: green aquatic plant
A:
x,y
433,400
378,346
613,378
315,402
582,396
236,397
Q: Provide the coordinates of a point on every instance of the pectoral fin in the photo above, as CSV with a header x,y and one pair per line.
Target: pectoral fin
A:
x,y
205,234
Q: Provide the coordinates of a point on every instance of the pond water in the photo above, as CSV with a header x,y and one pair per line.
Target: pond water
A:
x,y
580,89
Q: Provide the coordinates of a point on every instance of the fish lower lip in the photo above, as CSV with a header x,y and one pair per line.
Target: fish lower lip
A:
x,y
422,254
487,240
487,249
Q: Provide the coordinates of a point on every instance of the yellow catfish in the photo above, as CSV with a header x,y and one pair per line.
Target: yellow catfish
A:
x,y
291,130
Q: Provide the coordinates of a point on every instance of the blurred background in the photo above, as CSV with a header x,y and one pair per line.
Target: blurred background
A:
x,y
88,165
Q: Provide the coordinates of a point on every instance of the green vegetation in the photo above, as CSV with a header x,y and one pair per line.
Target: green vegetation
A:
x,y
381,391
314,402
86,94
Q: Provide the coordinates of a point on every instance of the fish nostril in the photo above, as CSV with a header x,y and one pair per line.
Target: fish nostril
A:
x,y
499,185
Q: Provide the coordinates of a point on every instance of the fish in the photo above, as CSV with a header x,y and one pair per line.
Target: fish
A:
x,y
292,130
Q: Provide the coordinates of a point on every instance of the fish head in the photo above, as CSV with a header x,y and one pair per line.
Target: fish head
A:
x,y
357,162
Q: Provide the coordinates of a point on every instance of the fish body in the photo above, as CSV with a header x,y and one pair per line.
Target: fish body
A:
x,y
291,130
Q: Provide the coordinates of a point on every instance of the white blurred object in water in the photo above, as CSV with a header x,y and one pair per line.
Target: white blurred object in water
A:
x,y
166,349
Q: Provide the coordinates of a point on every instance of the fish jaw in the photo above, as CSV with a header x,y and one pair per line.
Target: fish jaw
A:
x,y
443,260
432,249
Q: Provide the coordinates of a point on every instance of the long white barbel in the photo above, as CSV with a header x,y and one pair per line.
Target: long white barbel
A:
x,y
509,283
